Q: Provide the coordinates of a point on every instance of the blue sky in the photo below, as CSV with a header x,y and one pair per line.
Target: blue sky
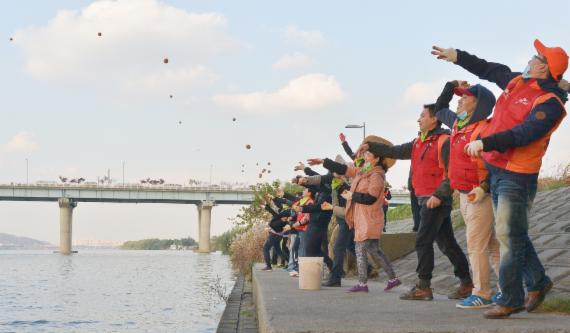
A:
x,y
293,74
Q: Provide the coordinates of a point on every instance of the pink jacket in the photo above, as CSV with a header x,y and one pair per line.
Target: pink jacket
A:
x,y
367,220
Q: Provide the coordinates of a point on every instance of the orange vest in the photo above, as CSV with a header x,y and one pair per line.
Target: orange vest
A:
x,y
428,169
512,107
465,172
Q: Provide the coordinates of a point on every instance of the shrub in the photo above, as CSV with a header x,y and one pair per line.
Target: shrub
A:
x,y
560,178
247,248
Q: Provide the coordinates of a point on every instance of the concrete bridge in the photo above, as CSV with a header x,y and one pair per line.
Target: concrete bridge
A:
x,y
69,195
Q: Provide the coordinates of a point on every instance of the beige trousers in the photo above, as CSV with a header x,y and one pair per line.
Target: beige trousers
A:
x,y
482,244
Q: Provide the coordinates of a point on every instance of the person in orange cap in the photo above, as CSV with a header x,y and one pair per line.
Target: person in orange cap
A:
x,y
526,114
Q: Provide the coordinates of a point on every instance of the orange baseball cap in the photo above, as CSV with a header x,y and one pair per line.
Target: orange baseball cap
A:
x,y
556,58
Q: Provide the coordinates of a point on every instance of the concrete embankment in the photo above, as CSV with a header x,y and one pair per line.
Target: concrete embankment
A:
x,y
283,308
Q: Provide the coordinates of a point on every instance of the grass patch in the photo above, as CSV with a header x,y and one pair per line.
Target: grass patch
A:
x,y
557,304
560,178
401,212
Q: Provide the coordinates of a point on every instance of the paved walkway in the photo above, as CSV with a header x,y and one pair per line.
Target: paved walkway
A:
x,y
282,307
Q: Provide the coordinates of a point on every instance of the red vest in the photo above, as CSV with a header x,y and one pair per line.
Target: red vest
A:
x,y
301,216
512,107
427,164
465,172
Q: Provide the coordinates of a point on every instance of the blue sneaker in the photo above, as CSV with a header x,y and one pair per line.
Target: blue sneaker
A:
x,y
474,302
496,297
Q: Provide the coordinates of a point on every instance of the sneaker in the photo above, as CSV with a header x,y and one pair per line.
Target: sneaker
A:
x,y
358,288
496,297
462,292
331,283
267,269
392,284
418,294
294,274
474,302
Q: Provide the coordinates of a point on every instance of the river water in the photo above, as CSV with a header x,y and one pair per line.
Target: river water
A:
x,y
112,291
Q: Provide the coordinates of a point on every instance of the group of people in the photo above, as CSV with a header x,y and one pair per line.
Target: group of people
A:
x,y
491,154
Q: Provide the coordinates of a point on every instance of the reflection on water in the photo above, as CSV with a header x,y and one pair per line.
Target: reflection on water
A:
x,y
112,291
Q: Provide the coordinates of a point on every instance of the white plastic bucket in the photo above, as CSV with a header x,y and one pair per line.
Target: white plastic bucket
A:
x,y
310,273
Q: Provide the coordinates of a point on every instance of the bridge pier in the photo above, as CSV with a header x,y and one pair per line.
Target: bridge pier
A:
x,y
66,206
205,217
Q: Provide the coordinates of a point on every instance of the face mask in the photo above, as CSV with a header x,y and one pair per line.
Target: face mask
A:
x,y
462,115
367,167
526,72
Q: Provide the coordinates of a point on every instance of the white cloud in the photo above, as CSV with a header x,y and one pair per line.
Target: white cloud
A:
x,y
308,92
310,39
22,142
421,93
136,36
292,61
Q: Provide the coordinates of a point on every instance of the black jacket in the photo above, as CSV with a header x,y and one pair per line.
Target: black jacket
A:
x,y
319,217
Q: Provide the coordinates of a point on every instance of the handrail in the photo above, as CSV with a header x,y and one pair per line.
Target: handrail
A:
x,y
180,188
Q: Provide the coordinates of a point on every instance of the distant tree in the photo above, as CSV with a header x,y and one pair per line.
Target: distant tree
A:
x,y
157,244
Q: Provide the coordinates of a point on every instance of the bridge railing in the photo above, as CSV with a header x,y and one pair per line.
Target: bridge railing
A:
x,y
170,187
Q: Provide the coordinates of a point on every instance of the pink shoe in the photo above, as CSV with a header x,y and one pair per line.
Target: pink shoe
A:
x,y
392,284
358,289
294,274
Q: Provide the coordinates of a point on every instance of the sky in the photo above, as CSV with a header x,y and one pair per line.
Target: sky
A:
x,y
292,74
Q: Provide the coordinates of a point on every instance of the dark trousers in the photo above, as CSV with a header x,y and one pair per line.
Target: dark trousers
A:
x,y
385,209
272,242
317,242
284,250
343,242
435,225
415,210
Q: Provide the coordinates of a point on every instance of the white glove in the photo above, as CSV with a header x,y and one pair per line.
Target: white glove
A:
x,y
476,195
445,54
474,148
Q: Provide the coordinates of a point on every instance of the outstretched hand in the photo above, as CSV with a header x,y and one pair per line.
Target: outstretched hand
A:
x,y
314,161
449,54
299,167
461,84
342,137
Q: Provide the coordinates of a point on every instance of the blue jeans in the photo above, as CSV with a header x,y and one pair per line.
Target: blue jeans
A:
x,y
293,254
302,243
513,194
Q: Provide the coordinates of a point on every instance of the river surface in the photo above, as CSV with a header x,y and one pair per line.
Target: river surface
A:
x,y
112,291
